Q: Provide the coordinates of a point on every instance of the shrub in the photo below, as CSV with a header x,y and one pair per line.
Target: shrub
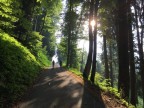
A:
x,y
18,69
43,59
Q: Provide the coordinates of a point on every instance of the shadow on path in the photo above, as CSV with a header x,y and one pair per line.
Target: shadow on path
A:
x,y
57,88
91,96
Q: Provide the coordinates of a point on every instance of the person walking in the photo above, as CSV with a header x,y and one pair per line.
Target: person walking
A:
x,y
60,63
53,63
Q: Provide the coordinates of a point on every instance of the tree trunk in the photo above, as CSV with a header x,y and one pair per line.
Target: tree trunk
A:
x,y
94,56
123,78
35,23
142,36
140,49
69,37
82,60
92,78
111,66
132,62
41,29
89,59
105,58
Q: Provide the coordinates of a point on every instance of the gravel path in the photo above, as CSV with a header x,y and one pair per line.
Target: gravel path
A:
x,y
58,88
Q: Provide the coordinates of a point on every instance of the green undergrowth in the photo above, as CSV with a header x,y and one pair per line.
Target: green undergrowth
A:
x,y
104,86
18,69
140,102
75,71
35,47
43,59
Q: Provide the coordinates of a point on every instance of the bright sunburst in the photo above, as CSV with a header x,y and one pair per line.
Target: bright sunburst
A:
x,y
92,23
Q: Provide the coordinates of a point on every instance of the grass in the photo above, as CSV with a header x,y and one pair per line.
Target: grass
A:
x,y
18,69
75,71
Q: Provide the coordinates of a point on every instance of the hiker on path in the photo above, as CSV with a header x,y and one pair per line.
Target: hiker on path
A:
x,y
60,62
53,63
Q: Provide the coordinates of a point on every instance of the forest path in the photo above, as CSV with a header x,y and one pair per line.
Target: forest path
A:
x,y
58,88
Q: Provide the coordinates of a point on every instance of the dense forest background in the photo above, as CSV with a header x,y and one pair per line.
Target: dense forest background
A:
x,y
28,42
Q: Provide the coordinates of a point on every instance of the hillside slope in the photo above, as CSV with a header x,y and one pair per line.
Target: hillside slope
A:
x,y
18,69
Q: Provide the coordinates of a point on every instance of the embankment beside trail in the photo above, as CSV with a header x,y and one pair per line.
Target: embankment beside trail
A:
x,y
18,69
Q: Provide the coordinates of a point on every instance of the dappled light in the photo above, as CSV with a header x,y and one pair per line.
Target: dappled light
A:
x,y
71,53
55,91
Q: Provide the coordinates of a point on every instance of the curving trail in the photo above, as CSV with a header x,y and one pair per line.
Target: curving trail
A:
x,y
58,88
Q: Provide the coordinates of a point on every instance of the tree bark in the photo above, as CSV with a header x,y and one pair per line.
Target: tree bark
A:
x,y
89,59
123,78
41,29
142,36
69,37
132,62
140,49
92,78
111,65
105,58
35,23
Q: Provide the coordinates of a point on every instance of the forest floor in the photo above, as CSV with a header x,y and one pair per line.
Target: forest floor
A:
x,y
58,88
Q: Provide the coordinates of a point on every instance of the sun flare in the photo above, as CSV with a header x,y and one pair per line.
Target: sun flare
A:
x,y
92,23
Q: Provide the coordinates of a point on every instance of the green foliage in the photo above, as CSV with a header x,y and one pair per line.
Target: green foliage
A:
x,y
68,45
77,72
35,42
43,59
19,65
140,102
53,7
8,14
82,57
49,41
24,25
45,18
35,46
62,49
75,59
18,69
104,86
131,106
75,53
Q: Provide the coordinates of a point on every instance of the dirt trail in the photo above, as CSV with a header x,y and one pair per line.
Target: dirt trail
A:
x,y
58,88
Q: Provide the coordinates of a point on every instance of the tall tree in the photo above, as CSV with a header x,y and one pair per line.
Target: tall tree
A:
x,y
89,59
123,78
24,24
111,63
138,10
70,32
107,30
105,57
94,42
46,16
133,97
